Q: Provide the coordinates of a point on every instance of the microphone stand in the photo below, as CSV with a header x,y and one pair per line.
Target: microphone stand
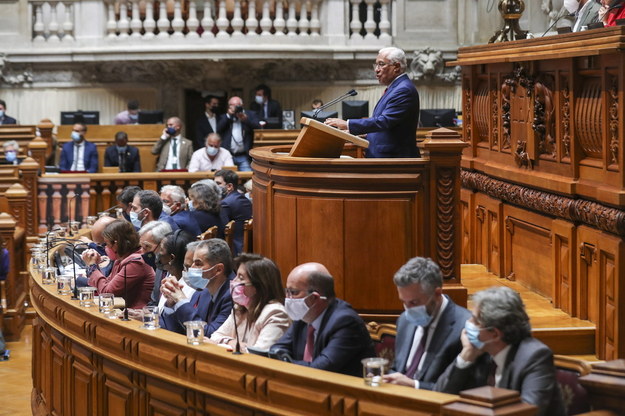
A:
x,y
237,348
125,318
349,93
75,291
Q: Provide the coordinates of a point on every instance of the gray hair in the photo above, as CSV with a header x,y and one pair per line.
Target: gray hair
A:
x,y
11,143
208,196
419,270
395,55
159,230
176,192
192,246
502,308
217,251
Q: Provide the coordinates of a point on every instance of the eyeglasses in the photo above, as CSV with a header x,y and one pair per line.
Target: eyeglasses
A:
x,y
289,293
381,65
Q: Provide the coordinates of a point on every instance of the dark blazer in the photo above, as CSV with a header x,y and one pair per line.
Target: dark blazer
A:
x,y
169,220
185,221
8,120
529,370
90,155
235,206
392,129
206,220
224,128
444,345
273,110
342,341
201,307
132,160
202,129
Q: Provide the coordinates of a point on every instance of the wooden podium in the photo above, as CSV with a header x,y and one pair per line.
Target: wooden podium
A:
x,y
319,140
361,218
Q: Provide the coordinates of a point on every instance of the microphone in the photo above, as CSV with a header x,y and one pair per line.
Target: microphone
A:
x,y
349,93
75,291
237,349
556,21
125,318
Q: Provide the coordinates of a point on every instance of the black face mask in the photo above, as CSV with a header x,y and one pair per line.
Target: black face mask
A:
x,y
150,259
215,110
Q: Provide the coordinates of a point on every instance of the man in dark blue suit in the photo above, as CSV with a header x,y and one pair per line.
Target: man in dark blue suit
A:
x,y
266,108
236,129
79,154
428,332
392,129
234,206
122,155
326,332
210,276
4,119
207,123
175,205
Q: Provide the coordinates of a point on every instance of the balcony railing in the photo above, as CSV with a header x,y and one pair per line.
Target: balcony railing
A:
x,y
205,20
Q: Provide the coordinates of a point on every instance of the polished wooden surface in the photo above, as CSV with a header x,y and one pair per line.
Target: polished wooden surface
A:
x,y
16,381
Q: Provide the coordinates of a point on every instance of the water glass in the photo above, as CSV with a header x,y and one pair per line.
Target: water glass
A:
x,y
85,296
105,302
74,227
64,285
195,332
150,317
48,276
119,213
373,370
91,220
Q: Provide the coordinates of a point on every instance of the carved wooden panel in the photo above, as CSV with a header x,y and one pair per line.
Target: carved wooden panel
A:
x,y
564,249
467,215
488,233
481,110
527,254
588,118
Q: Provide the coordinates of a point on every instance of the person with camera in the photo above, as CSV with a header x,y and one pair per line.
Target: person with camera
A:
x,y
174,150
236,128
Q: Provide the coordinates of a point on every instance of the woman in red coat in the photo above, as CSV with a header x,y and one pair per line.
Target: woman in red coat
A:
x,y
615,10
122,246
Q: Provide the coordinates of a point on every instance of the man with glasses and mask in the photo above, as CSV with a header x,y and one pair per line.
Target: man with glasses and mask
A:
x,y
150,237
392,129
428,332
499,350
326,332
209,274
175,205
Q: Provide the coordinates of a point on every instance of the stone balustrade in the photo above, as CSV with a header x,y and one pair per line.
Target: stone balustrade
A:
x,y
321,22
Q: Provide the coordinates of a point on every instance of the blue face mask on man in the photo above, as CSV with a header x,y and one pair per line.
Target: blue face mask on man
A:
x,y
76,136
418,315
195,277
473,334
135,220
10,155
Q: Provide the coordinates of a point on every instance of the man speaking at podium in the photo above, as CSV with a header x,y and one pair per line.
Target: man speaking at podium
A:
x,y
392,130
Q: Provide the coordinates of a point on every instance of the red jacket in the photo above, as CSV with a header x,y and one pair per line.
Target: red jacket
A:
x,y
614,14
139,280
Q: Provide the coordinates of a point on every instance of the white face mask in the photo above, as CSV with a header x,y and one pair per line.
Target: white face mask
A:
x,y
571,5
259,99
212,151
296,308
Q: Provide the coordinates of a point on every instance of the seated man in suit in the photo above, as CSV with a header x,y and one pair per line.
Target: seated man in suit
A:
x,y
211,157
428,332
210,276
79,154
122,155
173,150
499,350
326,332
175,204
4,118
236,129
150,236
11,150
267,109
207,123
125,198
146,207
234,205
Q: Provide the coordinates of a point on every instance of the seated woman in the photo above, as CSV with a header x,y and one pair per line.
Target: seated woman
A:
x,y
205,203
130,273
259,311
611,11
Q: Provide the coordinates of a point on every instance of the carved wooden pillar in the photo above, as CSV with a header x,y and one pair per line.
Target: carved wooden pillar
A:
x,y
606,386
444,243
17,198
29,170
42,203
489,401
38,150
14,290
45,128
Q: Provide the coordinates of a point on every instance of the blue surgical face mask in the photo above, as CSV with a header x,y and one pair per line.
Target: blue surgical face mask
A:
x,y
134,219
259,99
473,333
133,117
190,205
195,277
10,156
1,113
418,315
76,136
171,131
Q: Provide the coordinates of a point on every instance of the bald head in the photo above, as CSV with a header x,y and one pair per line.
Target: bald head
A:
x,y
98,227
310,277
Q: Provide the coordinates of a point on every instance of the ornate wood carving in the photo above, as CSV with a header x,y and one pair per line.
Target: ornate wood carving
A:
x,y
495,118
544,110
467,114
481,111
588,120
446,204
613,122
577,210
566,121
517,78
521,157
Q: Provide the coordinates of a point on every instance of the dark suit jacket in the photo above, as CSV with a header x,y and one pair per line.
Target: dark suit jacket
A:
x,y
131,158
201,307
529,370
235,206
224,127
273,110
161,148
169,220
342,341
202,129
206,220
185,221
392,129
90,156
8,120
444,345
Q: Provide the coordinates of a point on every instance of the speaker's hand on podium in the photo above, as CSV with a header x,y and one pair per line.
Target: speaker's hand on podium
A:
x,y
336,122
